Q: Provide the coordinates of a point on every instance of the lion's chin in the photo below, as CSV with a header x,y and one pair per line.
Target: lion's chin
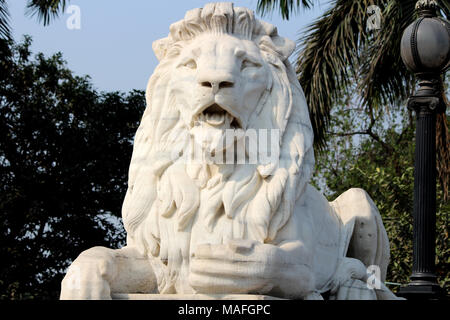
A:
x,y
212,139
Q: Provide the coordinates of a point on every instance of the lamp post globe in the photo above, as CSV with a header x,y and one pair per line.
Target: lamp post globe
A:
x,y
425,45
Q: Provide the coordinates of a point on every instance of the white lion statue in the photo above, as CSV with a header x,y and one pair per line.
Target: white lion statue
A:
x,y
233,227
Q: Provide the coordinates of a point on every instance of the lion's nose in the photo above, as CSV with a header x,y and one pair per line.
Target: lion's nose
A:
x,y
216,81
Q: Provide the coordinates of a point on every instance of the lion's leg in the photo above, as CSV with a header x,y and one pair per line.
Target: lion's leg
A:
x,y
134,273
99,272
369,242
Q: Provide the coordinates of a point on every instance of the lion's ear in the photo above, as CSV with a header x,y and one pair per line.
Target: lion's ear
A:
x,y
283,46
160,48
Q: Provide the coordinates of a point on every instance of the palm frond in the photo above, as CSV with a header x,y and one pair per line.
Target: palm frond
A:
x,y
286,7
5,30
384,79
444,6
329,58
45,10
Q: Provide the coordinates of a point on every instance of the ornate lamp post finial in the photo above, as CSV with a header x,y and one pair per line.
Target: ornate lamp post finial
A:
x,y
426,4
426,8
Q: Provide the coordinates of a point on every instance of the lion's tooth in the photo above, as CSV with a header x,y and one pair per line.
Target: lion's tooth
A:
x,y
229,117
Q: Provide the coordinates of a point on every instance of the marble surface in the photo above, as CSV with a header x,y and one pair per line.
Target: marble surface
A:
x,y
131,296
218,201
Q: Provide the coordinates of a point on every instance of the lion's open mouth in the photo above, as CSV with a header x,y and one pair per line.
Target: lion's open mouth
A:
x,y
216,116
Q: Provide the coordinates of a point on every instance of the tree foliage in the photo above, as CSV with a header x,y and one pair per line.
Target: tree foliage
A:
x,y
4,20
286,7
64,157
45,10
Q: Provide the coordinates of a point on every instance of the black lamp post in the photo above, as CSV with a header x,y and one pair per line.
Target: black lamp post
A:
x,y
425,50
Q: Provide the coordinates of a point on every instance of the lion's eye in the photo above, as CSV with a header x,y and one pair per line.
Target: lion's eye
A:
x,y
249,64
190,64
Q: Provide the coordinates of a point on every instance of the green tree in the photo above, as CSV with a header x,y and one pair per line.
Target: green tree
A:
x,y
45,10
64,157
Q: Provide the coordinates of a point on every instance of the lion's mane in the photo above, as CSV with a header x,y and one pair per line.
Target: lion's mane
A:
x,y
163,199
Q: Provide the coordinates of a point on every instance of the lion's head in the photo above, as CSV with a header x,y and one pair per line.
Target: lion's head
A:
x,y
220,69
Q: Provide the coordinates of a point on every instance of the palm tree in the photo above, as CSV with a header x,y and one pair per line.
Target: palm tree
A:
x,y
339,56
4,20
45,10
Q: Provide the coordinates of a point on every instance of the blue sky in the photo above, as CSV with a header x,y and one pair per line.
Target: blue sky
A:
x,y
114,44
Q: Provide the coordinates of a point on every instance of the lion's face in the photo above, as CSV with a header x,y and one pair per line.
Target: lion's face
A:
x,y
218,82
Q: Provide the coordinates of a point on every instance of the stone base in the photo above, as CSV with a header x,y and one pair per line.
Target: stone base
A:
x,y
139,296
426,291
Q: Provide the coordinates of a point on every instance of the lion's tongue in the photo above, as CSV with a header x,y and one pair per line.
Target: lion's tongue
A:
x,y
215,119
